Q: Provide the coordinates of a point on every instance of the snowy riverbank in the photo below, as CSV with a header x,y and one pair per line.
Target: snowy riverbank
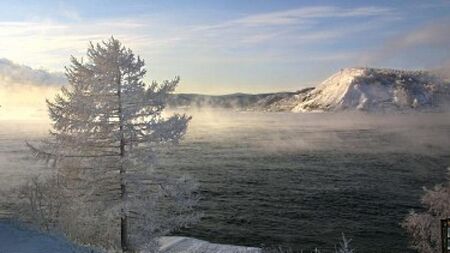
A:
x,y
178,244
16,239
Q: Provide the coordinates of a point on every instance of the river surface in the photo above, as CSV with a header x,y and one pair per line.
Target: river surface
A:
x,y
293,180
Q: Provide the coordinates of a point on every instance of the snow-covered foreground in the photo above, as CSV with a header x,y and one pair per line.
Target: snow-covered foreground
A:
x,y
178,244
16,239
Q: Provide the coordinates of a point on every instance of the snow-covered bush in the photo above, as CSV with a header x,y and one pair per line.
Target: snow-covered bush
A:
x,y
344,245
107,124
424,227
39,201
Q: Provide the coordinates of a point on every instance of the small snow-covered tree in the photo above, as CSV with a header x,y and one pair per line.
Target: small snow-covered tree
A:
x,y
344,245
37,201
106,126
424,227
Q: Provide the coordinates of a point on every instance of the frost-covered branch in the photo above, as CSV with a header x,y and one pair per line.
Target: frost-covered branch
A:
x,y
424,227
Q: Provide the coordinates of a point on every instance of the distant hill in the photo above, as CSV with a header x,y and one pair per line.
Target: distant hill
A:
x,y
365,89
370,89
237,101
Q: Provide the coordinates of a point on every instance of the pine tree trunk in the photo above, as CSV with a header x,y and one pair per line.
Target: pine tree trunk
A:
x,y
123,196
123,187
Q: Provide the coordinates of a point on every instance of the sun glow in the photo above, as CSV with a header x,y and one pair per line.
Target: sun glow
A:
x,y
23,102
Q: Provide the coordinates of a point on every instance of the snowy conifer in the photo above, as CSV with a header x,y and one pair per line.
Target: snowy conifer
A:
x,y
106,125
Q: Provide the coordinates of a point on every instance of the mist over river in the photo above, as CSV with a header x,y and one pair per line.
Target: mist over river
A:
x,y
296,180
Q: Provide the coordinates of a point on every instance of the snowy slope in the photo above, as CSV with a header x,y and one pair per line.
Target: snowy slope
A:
x,y
15,239
18,239
180,244
372,89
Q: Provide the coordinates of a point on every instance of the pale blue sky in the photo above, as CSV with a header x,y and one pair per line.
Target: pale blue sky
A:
x,y
233,46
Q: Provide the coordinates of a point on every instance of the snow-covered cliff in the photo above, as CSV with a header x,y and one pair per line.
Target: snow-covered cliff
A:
x,y
371,89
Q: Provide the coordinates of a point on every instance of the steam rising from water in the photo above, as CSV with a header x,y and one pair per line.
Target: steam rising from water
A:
x,y
16,162
299,179
351,131
421,133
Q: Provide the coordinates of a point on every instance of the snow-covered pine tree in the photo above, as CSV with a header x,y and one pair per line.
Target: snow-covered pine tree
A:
x,y
106,124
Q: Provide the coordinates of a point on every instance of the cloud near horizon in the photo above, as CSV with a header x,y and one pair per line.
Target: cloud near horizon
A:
x,y
23,90
15,74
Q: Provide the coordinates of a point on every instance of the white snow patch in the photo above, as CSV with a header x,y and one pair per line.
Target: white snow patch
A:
x,y
15,239
180,244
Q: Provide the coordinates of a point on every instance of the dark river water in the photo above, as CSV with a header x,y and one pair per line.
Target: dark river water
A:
x,y
295,180
300,180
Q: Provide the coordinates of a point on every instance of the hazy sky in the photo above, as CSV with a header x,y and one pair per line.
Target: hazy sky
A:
x,y
233,46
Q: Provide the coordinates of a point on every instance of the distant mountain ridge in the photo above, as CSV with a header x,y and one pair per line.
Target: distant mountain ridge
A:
x,y
365,89
237,101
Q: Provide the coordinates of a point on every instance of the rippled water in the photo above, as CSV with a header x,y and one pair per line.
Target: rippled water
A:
x,y
296,180
299,180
